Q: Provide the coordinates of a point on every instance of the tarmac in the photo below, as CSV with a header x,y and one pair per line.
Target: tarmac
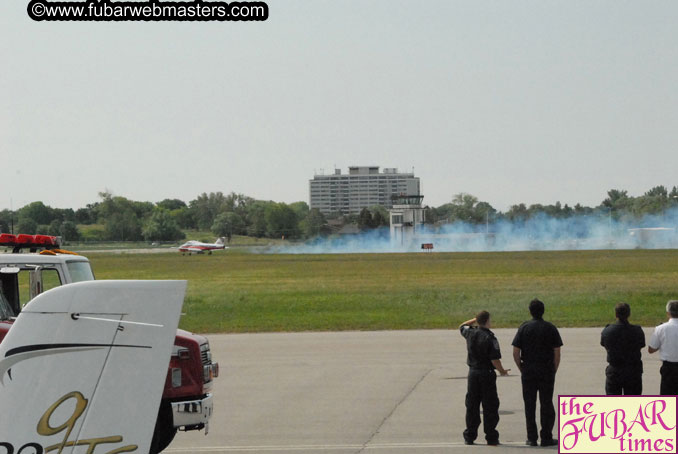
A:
x,y
381,392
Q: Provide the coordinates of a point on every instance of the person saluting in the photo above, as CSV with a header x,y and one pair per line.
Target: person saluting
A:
x,y
483,358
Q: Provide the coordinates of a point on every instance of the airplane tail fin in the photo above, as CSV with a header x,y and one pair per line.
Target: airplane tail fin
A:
x,y
220,241
81,358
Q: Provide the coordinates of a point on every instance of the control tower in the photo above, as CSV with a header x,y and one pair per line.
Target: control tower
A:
x,y
407,218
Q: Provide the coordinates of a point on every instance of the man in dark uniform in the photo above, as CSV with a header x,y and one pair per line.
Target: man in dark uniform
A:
x,y
623,342
483,357
536,352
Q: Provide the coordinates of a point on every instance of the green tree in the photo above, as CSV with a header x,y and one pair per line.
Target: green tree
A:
x,y
27,226
69,231
657,191
184,218
86,215
463,208
518,213
171,204
63,214
37,211
379,220
300,209
467,208
483,212
228,224
256,218
582,210
365,220
142,209
281,221
314,224
124,226
122,218
162,227
380,216
7,218
616,199
206,207
238,203
54,228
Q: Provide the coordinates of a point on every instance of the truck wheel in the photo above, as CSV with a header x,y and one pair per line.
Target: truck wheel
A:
x,y
164,429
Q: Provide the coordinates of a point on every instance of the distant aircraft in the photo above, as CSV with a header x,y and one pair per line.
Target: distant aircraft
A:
x,y
70,367
199,248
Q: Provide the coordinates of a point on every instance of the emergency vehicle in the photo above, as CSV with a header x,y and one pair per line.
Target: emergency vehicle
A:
x,y
186,400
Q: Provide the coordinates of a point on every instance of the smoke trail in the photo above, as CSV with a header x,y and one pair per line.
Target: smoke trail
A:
x,y
538,233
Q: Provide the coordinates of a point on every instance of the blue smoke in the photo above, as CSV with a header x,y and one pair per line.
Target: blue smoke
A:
x,y
538,233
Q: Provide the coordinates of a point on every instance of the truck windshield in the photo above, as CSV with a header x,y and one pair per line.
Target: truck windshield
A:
x,y
80,271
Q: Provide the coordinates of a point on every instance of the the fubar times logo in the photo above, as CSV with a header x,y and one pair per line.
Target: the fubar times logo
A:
x,y
617,424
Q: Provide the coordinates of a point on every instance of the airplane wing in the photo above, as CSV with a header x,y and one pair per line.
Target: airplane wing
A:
x,y
193,249
84,367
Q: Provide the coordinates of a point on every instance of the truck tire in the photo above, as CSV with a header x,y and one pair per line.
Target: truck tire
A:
x,y
164,429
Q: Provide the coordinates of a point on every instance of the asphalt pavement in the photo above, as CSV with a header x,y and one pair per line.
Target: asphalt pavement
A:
x,y
381,392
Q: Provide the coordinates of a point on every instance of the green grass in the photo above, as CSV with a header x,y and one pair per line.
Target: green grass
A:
x,y
240,292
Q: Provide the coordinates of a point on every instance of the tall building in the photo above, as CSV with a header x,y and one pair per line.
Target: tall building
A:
x,y
362,187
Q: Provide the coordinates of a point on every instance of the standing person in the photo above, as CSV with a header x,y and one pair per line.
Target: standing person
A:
x,y
665,340
623,342
483,357
536,352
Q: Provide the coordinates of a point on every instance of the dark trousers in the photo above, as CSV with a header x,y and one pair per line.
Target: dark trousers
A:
x,y
623,381
482,389
669,383
541,383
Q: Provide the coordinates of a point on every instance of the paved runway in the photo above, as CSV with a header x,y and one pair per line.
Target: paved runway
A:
x,y
381,392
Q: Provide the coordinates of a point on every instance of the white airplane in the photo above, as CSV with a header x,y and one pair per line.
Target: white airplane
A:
x,y
82,369
199,247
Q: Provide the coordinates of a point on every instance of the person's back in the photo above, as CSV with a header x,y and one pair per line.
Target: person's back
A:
x,y
623,343
536,340
479,344
536,352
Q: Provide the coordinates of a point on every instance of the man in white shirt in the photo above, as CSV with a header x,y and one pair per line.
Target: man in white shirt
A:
x,y
665,340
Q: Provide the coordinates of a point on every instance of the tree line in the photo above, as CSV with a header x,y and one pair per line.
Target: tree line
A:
x,y
618,205
120,219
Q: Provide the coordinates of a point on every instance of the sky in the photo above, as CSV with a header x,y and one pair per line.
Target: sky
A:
x,y
513,102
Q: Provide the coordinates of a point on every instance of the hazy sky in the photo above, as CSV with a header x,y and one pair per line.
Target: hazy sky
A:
x,y
511,101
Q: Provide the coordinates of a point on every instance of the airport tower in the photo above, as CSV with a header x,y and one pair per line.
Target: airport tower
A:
x,y
407,219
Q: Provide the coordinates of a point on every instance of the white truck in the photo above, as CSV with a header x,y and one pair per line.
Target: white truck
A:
x,y
186,400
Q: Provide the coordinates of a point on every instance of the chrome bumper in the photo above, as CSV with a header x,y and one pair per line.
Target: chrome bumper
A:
x,y
192,414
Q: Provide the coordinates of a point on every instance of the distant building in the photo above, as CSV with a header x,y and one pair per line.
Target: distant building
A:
x,y
407,219
362,187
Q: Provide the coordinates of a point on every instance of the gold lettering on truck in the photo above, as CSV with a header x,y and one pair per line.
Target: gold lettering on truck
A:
x,y
46,429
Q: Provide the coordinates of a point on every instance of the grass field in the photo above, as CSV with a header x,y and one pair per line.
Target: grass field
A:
x,y
240,292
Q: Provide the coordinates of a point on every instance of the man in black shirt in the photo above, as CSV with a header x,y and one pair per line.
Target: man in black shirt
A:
x,y
623,342
536,352
483,357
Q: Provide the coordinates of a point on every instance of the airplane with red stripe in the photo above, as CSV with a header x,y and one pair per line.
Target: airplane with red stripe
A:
x,y
200,248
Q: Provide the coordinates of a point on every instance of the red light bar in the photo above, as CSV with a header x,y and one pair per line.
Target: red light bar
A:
x,y
32,242
7,239
45,240
24,239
